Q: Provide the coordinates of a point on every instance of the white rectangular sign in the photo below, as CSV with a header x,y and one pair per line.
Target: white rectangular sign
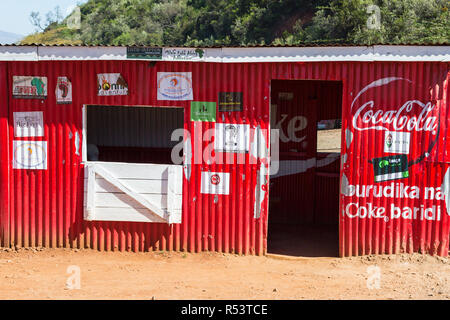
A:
x,y
175,86
111,84
63,91
29,87
215,183
177,54
30,154
231,137
396,142
28,124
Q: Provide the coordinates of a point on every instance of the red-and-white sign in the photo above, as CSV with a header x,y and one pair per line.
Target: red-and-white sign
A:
x,y
63,91
215,183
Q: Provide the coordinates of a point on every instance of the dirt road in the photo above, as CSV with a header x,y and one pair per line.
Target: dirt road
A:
x,y
27,274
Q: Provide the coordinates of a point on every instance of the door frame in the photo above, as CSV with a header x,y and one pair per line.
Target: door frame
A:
x,y
343,86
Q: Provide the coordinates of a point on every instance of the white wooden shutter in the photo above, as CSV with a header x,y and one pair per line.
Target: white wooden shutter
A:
x,y
133,192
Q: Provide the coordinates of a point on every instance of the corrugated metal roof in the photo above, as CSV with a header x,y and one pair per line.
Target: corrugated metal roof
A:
x,y
440,53
305,45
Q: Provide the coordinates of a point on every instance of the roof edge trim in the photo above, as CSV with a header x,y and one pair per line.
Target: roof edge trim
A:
x,y
230,55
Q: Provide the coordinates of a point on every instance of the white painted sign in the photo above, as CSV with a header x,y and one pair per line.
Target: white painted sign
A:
x,y
175,86
184,54
28,124
370,116
111,84
215,183
30,155
29,87
396,142
63,91
231,137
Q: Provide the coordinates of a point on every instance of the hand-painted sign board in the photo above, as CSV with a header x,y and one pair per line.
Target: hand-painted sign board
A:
x,y
30,87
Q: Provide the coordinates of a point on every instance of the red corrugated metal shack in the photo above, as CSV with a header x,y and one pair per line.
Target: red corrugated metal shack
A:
x,y
309,151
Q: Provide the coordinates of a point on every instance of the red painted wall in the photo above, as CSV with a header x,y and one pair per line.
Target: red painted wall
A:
x,y
4,158
46,206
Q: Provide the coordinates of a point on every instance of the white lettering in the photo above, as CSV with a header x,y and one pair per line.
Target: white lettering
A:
x,y
399,119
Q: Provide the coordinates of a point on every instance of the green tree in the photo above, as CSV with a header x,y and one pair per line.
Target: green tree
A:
x,y
248,22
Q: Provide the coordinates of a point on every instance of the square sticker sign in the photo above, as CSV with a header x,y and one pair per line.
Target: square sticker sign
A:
x,y
203,111
390,168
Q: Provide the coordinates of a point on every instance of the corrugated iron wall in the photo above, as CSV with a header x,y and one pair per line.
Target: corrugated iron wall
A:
x,y
408,97
4,158
45,206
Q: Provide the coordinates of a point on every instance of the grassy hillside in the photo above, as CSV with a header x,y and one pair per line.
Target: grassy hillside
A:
x,y
250,22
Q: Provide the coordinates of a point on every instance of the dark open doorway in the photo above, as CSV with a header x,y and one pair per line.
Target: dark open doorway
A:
x,y
304,193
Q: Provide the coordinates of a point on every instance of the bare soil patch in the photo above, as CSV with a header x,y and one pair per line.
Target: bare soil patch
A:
x,y
36,274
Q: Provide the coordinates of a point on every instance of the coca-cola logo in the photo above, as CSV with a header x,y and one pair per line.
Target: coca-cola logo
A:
x,y
412,115
398,119
369,116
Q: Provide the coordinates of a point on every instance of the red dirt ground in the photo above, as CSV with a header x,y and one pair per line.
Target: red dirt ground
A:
x,y
42,274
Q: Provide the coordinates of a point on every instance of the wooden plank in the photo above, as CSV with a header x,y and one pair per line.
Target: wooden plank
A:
x,y
90,193
122,200
140,186
84,146
126,214
174,200
139,171
126,189
179,179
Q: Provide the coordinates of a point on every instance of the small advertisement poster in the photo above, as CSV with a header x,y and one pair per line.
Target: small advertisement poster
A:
x,y
215,183
175,86
230,137
203,111
63,91
144,53
390,168
396,142
111,84
183,54
28,124
29,87
30,155
230,101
